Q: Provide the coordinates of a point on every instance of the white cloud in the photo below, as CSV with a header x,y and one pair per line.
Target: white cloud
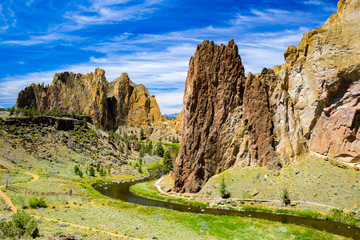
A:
x,y
275,17
313,2
43,39
107,12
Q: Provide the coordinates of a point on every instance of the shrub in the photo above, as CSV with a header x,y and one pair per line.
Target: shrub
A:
x,y
285,196
21,225
37,202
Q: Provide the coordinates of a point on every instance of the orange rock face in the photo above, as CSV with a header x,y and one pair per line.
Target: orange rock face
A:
x,y
110,104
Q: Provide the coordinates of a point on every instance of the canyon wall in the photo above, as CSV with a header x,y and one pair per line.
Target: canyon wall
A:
x,y
310,104
109,104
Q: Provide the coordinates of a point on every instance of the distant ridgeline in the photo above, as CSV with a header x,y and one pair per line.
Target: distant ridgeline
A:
x,y
109,104
310,104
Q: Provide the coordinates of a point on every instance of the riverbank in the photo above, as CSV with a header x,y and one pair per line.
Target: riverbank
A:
x,y
161,190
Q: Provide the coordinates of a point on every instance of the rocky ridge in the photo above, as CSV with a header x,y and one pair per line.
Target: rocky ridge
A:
x,y
310,104
110,104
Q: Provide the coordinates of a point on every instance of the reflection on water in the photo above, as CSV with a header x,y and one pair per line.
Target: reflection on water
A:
x,y
121,191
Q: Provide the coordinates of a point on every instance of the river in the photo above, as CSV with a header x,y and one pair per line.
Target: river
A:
x,y
121,191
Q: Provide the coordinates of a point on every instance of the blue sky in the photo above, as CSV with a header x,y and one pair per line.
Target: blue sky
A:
x,y
151,40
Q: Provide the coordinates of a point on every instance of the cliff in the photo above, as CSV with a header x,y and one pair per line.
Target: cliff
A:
x,y
311,104
110,104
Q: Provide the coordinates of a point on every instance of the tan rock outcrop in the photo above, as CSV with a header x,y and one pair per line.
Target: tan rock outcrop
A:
x,y
179,121
110,104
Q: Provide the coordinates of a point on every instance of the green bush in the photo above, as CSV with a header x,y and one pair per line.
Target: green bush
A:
x,y
37,202
21,225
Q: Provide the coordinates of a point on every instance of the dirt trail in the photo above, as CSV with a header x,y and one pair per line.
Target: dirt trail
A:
x,y
7,199
35,178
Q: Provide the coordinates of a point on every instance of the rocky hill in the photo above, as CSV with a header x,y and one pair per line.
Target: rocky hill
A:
x,y
310,104
110,104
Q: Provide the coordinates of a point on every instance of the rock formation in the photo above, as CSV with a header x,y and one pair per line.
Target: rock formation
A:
x,y
109,104
179,121
309,104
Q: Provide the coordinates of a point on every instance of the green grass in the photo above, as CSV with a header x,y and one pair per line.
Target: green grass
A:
x,y
147,189
173,145
311,180
146,222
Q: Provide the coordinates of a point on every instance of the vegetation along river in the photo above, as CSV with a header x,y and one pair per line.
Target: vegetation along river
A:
x,y
121,191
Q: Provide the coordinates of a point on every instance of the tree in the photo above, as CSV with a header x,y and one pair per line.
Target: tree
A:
x,y
149,148
76,169
12,110
102,171
285,196
159,151
109,169
142,151
142,135
98,167
91,171
168,165
80,173
140,165
223,191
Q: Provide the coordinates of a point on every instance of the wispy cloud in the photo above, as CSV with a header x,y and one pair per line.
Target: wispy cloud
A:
x,y
7,18
313,2
43,39
274,16
108,12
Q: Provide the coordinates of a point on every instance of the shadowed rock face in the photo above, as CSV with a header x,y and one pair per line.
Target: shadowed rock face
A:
x,y
109,104
309,104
